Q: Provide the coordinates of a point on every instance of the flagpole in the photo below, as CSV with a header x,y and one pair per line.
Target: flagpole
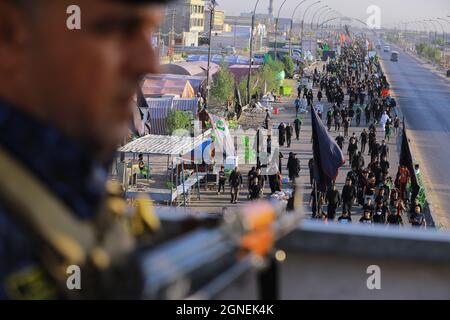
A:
x,y
258,162
317,202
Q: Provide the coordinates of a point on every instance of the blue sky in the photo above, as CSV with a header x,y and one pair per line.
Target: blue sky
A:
x,y
392,11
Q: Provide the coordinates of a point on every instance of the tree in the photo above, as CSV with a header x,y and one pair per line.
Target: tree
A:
x,y
420,48
265,78
268,74
223,85
429,52
289,66
177,120
439,42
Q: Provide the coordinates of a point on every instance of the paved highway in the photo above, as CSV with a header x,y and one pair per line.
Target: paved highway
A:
x,y
424,99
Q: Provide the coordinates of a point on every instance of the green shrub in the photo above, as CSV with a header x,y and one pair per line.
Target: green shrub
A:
x,y
289,66
223,85
178,119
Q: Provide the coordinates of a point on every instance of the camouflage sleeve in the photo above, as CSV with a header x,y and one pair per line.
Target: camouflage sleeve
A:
x,y
20,275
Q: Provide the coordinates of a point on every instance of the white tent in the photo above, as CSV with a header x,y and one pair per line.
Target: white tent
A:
x,y
174,147
164,145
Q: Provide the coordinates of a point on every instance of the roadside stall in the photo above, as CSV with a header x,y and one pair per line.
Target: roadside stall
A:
x,y
163,167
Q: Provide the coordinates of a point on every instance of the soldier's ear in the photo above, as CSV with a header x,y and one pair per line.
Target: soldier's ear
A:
x,y
13,33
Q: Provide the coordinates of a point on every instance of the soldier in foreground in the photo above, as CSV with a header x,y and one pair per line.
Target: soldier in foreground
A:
x,y
65,105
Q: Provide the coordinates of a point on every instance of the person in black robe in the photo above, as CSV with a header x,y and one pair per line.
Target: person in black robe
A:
x,y
282,134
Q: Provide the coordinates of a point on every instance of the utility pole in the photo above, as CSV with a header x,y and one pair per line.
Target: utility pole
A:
x,y
172,37
250,60
211,23
235,23
276,29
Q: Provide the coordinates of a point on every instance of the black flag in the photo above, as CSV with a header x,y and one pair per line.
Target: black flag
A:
x,y
407,161
405,153
137,127
328,157
237,101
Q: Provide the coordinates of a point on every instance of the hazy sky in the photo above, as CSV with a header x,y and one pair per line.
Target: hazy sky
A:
x,y
392,11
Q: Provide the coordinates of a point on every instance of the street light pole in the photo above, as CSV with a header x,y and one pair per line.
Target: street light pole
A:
x,y
322,25
418,30
326,16
276,29
250,61
322,15
442,27
434,27
292,25
315,14
312,23
442,19
425,28
303,21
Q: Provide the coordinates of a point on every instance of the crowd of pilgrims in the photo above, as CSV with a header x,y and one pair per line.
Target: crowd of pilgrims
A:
x,y
369,185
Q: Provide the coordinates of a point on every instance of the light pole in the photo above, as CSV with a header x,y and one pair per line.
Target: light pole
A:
x,y
434,27
312,21
418,29
326,16
425,28
435,36
442,27
442,19
251,52
315,14
292,25
276,29
405,27
322,25
303,21
323,13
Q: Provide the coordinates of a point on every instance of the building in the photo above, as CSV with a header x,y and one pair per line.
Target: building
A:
x,y
284,25
238,20
219,21
184,20
245,19
239,37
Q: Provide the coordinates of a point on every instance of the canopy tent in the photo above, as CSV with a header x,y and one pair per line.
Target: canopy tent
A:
x,y
227,59
174,147
161,87
190,68
195,81
165,145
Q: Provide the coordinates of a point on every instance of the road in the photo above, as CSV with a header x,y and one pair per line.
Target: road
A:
x,y
210,202
424,100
